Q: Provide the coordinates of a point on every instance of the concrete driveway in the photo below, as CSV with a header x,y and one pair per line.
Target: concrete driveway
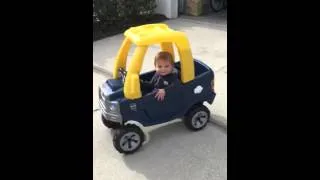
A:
x,y
173,153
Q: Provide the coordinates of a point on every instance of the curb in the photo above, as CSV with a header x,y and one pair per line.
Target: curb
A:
x,y
220,26
102,70
217,120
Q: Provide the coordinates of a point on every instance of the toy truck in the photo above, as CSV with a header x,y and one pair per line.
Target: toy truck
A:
x,y
127,107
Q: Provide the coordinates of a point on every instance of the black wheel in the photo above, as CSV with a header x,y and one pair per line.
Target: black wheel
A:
x,y
197,118
225,4
217,5
110,124
128,139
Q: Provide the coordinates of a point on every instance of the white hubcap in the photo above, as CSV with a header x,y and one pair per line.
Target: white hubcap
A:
x,y
199,119
130,141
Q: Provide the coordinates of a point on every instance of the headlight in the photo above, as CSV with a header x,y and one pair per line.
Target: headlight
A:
x,y
113,107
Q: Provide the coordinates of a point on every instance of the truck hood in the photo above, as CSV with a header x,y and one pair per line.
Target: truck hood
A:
x,y
111,90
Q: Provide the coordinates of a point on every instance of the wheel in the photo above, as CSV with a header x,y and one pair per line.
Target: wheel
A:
x,y
110,124
225,4
197,118
217,5
128,139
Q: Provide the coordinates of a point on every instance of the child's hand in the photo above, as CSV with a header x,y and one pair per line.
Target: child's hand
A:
x,y
160,94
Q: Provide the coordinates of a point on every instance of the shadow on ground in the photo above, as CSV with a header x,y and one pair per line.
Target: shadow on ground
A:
x,y
175,152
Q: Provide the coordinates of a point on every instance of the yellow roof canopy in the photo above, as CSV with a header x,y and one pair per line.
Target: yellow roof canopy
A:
x,y
146,35
153,34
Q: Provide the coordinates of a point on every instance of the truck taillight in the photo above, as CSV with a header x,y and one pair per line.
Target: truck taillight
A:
x,y
212,85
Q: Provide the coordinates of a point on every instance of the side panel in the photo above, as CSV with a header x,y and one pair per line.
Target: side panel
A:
x,y
133,110
179,99
163,111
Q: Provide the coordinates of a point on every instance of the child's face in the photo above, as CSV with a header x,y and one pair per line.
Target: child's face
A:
x,y
163,67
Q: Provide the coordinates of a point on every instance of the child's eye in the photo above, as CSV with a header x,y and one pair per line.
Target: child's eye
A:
x,y
159,66
167,66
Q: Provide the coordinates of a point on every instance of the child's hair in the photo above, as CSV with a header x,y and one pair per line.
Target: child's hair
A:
x,y
165,56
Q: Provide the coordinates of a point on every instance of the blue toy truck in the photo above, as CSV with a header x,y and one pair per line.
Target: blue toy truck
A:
x,y
127,107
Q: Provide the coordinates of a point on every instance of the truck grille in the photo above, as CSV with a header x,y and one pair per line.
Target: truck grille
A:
x,y
106,112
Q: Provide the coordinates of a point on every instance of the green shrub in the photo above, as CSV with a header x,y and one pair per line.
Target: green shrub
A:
x,y
114,13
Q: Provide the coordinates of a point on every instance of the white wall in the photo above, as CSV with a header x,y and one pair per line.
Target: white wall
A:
x,y
169,8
